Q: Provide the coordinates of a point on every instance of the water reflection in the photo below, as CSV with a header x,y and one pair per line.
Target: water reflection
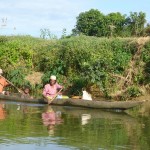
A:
x,y
2,111
72,128
93,129
85,119
51,119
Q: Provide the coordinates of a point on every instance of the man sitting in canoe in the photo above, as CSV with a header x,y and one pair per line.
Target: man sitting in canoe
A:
x,y
50,89
3,83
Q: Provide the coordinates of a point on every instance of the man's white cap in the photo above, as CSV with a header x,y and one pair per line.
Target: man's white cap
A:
x,y
53,77
1,71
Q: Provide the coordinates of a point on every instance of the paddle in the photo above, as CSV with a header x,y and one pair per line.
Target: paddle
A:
x,y
50,101
12,84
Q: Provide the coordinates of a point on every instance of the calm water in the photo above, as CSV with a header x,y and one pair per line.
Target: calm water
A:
x,y
38,127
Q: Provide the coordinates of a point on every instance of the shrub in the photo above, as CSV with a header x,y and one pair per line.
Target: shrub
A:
x,y
133,91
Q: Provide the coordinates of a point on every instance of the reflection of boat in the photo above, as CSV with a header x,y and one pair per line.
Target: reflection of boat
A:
x,y
103,128
123,105
96,113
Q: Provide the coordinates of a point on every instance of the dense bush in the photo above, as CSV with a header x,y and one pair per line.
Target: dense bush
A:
x,y
77,61
88,57
146,60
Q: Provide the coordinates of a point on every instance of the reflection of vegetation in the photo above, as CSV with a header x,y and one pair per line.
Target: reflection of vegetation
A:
x,y
146,130
104,129
22,123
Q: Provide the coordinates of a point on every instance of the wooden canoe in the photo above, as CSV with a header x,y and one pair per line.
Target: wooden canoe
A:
x,y
121,105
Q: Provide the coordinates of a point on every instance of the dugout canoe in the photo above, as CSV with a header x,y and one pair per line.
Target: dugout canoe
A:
x,y
121,105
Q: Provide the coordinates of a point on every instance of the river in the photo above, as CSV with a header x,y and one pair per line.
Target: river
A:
x,y
31,126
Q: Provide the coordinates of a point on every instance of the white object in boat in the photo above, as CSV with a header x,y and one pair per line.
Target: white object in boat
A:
x,y
86,95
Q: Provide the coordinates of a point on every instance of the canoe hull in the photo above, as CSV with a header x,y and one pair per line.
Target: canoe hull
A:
x,y
122,105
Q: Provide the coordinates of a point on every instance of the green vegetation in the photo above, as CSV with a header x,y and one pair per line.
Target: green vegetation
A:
x,y
117,67
93,57
95,23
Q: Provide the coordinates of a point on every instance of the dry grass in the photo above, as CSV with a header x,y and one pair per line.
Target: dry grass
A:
x,y
143,40
127,79
34,78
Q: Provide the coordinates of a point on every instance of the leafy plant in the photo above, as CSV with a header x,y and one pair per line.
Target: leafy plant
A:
x,y
77,62
17,77
95,23
133,91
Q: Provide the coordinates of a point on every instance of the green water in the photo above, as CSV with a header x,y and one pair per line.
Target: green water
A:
x,y
61,128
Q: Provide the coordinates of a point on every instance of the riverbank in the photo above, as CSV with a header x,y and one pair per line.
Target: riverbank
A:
x,y
113,68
